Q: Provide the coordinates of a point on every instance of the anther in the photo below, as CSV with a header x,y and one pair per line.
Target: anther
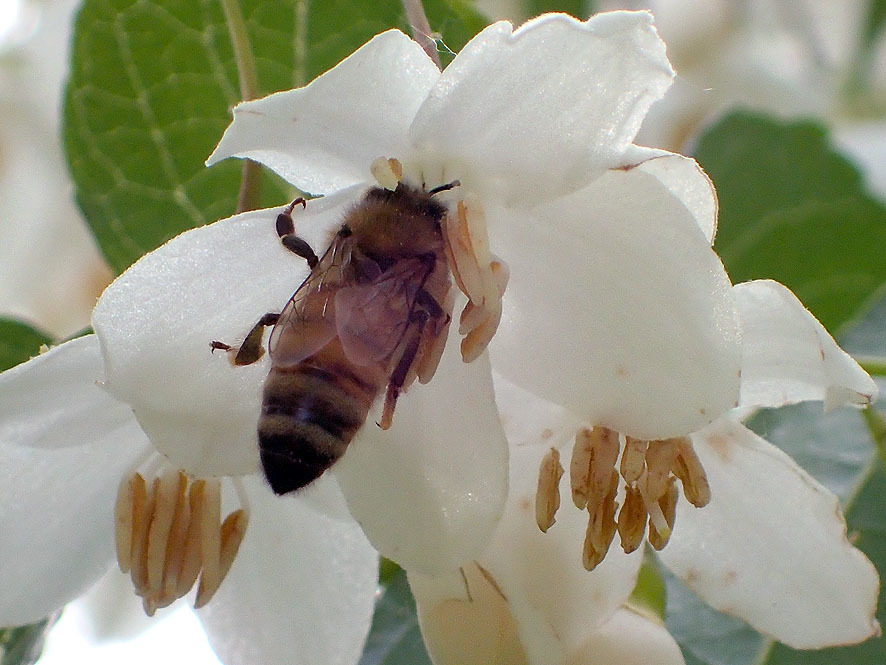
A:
x,y
660,529
601,525
691,473
633,459
547,497
480,275
593,458
168,534
388,172
632,520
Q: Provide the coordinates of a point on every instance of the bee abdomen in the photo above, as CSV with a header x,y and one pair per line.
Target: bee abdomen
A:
x,y
309,416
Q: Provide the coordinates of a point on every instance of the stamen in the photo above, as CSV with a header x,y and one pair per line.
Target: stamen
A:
x,y
123,517
166,495
210,538
593,458
141,522
232,531
432,352
633,459
601,526
691,473
178,533
387,172
660,531
191,561
547,498
480,275
650,470
167,535
632,520
660,458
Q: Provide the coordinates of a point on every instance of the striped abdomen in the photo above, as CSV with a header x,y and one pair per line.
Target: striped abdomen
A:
x,y
310,413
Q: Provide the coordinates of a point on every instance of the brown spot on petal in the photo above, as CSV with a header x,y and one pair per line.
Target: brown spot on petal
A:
x,y
721,445
525,504
729,577
546,433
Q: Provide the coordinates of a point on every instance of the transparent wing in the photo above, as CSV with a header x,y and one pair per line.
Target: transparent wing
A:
x,y
372,316
307,323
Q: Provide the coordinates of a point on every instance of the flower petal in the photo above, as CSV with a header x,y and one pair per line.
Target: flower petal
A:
x,y
302,588
789,357
429,491
771,546
323,137
56,501
465,619
628,638
554,600
541,110
54,399
156,321
683,178
532,582
617,308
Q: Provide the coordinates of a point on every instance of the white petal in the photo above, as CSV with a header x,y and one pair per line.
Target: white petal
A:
x,y
466,620
157,319
323,137
56,517
789,357
771,546
429,491
555,601
628,639
683,178
617,308
53,400
301,590
552,601
542,110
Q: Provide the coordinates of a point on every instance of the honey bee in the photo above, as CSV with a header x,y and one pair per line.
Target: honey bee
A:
x,y
371,317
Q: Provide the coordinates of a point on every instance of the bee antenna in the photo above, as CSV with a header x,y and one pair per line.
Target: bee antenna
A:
x,y
445,188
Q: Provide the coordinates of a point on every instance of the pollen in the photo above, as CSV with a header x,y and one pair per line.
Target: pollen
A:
x,y
602,461
168,533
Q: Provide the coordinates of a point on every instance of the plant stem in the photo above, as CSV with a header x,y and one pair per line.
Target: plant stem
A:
x,y
250,181
421,29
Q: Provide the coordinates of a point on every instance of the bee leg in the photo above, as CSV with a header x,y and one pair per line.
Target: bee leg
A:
x,y
431,306
286,231
398,376
251,350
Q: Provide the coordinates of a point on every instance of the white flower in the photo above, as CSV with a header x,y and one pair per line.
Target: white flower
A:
x,y
617,311
304,580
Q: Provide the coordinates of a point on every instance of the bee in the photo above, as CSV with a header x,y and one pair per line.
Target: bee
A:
x,y
370,318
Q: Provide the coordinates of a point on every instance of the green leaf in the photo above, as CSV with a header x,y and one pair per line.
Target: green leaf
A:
x,y
649,592
876,19
19,342
793,209
579,8
150,91
706,636
23,645
395,638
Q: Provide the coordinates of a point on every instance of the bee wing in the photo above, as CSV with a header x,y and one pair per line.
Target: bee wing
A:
x,y
372,317
307,323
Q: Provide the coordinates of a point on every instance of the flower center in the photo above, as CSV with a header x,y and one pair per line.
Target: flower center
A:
x,y
649,469
169,534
